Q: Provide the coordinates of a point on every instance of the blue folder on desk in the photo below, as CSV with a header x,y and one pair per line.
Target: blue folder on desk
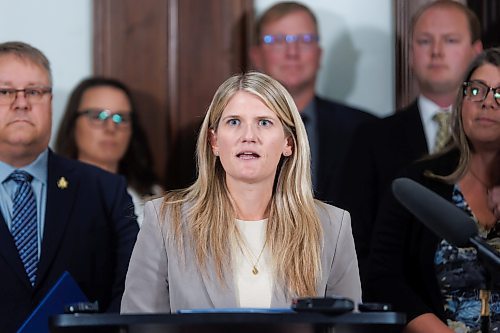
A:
x,y
64,292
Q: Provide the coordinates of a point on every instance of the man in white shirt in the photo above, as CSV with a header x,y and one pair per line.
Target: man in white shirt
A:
x,y
445,37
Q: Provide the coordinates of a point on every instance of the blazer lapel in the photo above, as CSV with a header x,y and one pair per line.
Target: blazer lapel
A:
x,y
221,298
279,298
9,252
62,186
326,157
415,131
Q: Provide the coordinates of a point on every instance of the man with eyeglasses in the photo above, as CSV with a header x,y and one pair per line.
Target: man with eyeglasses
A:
x,y
444,38
287,49
56,214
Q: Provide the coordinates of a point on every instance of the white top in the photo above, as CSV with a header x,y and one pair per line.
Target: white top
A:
x,y
253,290
139,201
427,110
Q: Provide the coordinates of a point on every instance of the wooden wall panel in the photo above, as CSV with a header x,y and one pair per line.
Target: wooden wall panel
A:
x,y
130,44
488,12
213,38
173,54
406,85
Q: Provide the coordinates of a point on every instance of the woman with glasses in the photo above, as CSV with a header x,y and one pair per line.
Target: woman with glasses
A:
x,y
100,127
441,287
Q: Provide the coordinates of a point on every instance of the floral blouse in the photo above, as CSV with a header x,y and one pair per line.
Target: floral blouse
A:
x,y
460,277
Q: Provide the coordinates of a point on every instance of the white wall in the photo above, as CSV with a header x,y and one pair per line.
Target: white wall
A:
x,y
358,51
62,29
356,37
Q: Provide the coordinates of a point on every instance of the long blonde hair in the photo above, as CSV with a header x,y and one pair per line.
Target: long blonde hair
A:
x,y
293,233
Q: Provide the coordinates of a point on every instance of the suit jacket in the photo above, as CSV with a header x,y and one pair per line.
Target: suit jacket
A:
x,y
380,149
336,125
160,279
401,267
90,230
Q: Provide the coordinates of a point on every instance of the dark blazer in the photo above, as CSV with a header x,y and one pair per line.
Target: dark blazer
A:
x,y
401,269
90,230
380,149
336,125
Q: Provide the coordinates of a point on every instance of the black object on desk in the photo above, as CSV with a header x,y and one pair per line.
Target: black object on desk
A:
x,y
329,305
229,322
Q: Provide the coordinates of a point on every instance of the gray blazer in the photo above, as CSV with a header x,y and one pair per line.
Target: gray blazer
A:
x,y
160,280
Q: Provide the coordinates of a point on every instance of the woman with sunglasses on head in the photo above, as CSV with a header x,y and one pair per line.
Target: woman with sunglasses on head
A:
x,y
100,127
440,286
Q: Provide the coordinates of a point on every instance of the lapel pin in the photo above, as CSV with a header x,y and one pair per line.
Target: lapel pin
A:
x,y
62,183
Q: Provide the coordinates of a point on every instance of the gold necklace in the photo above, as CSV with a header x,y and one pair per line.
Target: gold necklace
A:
x,y
245,250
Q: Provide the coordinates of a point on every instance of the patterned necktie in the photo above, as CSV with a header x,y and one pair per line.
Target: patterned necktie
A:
x,y
24,225
443,134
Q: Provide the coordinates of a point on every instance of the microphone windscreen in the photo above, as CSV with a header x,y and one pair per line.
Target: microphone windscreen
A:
x,y
442,217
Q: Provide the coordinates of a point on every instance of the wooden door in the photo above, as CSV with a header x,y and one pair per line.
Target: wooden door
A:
x,y
173,54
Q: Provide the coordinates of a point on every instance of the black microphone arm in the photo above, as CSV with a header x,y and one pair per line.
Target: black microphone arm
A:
x,y
442,217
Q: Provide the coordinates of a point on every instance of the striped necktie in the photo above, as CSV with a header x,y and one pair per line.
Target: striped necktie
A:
x,y
443,133
24,224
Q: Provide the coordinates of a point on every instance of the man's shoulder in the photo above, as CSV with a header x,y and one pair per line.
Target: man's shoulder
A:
x,y
442,164
83,170
393,123
333,108
403,115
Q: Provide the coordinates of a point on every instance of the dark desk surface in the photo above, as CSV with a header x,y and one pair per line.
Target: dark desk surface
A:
x,y
229,322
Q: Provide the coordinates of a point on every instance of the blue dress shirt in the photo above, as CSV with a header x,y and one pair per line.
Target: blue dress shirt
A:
x,y
38,169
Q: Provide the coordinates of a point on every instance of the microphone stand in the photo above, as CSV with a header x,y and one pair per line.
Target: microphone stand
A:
x,y
491,262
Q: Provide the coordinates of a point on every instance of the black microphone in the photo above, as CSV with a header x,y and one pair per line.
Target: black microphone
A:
x,y
442,217
437,214
451,223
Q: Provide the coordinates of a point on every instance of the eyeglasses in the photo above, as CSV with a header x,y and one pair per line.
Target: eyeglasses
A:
x,y
477,91
33,95
98,117
304,41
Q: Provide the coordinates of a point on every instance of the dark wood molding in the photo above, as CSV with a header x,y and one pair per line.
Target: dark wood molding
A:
x,y
488,12
173,66
173,54
406,86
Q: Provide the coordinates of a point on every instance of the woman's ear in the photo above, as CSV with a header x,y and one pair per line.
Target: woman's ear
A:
x,y
288,149
212,137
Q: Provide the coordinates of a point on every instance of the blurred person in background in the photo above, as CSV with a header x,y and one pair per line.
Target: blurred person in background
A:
x,y
437,284
287,48
57,214
100,127
445,37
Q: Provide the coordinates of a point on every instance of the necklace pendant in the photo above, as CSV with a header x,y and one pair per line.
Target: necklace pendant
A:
x,y
255,271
